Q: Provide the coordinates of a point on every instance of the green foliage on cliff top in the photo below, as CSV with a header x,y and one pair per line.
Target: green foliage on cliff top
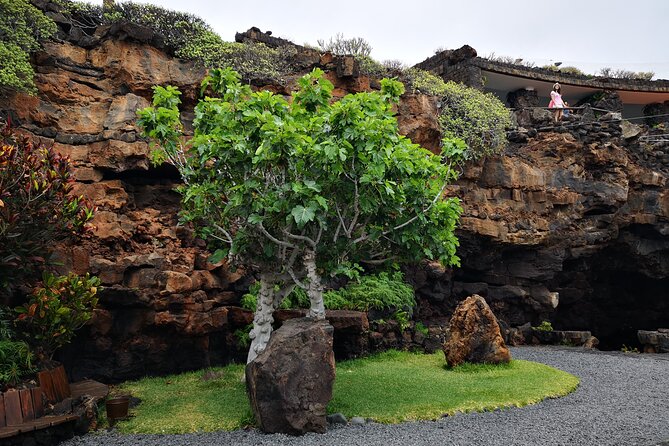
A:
x,y
189,37
479,118
22,27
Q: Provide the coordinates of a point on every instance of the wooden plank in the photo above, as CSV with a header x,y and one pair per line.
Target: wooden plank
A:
x,y
13,408
27,410
38,402
66,382
3,422
89,387
57,388
60,384
46,383
27,427
42,423
7,432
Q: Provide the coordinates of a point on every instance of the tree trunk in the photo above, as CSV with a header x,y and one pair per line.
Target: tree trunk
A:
x,y
262,321
315,289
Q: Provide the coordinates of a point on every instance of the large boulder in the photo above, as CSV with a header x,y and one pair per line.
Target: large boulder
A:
x,y
290,382
474,336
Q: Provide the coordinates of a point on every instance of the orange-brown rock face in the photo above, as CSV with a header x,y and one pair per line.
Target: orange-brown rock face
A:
x,y
473,335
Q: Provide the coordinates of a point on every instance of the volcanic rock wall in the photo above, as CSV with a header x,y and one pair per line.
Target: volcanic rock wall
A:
x,y
567,226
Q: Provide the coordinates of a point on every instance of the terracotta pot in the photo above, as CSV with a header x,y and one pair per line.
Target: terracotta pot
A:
x,y
117,408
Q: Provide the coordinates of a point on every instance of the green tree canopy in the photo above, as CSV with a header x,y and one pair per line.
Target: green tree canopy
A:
x,y
306,187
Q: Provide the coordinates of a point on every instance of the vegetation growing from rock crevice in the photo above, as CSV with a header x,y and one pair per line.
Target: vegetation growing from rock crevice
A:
x,y
22,28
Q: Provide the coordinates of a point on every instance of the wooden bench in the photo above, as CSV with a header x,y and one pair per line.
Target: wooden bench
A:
x,y
22,411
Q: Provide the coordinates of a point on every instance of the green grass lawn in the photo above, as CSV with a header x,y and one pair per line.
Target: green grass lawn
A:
x,y
389,387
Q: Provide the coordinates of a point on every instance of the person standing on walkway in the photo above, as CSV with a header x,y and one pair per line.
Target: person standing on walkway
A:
x,y
556,102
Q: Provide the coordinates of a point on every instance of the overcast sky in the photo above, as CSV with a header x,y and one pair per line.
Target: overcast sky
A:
x,y
588,34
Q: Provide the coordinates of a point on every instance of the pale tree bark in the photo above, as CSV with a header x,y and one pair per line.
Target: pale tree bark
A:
x,y
262,321
269,301
314,287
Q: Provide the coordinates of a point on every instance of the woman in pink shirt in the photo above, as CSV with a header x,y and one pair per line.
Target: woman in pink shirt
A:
x,y
556,102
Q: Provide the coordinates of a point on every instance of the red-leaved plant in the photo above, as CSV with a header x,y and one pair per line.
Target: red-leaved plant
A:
x,y
37,207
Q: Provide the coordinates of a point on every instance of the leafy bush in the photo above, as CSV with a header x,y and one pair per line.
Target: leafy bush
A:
x,y
381,291
421,328
16,361
296,299
402,318
6,323
22,27
371,67
480,119
36,207
57,309
572,70
252,61
243,337
544,326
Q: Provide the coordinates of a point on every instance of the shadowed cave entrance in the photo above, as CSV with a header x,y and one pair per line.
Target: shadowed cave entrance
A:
x,y
618,291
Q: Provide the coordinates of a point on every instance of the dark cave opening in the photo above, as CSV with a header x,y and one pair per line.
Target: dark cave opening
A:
x,y
614,294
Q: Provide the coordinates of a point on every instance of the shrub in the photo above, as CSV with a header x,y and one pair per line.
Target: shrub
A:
x,y
341,46
371,67
6,323
252,61
478,118
544,326
422,329
22,27
56,310
16,361
36,207
626,74
381,291
296,299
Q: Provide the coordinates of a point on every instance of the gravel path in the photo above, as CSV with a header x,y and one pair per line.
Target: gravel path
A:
x,y
623,399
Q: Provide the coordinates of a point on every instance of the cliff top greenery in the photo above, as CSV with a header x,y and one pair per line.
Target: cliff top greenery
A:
x,y
22,27
477,118
189,37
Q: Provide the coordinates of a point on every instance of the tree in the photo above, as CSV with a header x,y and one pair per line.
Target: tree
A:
x,y
303,188
22,27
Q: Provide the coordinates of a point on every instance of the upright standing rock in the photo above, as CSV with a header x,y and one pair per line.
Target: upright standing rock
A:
x,y
290,382
473,335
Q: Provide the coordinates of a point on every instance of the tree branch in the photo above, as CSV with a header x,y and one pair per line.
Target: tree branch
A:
x,y
274,239
300,237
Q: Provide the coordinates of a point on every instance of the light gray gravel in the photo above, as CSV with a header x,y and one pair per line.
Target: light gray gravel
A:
x,y
623,399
